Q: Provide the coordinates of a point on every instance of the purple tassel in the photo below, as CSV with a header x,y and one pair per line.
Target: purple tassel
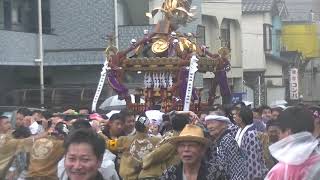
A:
x,y
223,83
120,89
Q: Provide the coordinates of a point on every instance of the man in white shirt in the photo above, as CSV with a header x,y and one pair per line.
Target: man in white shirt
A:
x,y
34,127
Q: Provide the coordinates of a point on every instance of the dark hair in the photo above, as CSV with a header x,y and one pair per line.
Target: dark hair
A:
x,y
277,109
116,116
47,114
3,117
80,123
263,107
87,136
61,129
139,126
24,112
235,108
179,121
36,111
272,123
125,113
256,110
246,115
21,132
297,119
239,104
85,108
215,107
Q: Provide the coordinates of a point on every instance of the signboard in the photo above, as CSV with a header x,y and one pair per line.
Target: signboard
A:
x,y
236,97
294,84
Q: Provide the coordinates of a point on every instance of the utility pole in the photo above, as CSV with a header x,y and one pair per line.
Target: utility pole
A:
x,y
41,54
259,90
116,29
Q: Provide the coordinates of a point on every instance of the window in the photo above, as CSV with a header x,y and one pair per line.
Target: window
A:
x,y
225,34
1,14
22,15
201,35
267,37
132,12
278,38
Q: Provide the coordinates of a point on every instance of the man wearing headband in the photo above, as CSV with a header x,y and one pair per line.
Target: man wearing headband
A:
x,y
224,151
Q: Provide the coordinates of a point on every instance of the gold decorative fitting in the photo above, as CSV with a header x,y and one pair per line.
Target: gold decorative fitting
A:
x,y
224,51
160,46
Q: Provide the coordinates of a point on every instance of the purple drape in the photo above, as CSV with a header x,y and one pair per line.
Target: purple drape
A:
x,y
120,89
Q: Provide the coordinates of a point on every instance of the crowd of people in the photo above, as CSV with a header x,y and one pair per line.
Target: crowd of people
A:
x,y
221,143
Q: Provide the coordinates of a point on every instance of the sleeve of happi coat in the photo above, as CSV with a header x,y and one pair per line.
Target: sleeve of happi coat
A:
x,y
25,145
160,154
253,148
233,159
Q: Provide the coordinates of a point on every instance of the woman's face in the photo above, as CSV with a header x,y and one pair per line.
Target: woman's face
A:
x,y
236,117
80,162
154,128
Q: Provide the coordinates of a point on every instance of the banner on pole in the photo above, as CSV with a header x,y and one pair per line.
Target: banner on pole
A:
x,y
294,84
192,70
100,86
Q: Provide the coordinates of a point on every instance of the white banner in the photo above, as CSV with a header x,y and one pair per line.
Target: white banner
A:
x,y
192,71
100,86
294,84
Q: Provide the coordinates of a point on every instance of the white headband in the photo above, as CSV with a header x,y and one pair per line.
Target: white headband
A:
x,y
217,118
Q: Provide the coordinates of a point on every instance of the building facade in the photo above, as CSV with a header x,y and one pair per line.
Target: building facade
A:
x,y
262,65
301,35
222,22
74,42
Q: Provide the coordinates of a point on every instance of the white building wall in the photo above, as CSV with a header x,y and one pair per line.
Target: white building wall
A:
x,y
230,9
274,69
220,10
253,58
274,94
212,32
235,36
155,4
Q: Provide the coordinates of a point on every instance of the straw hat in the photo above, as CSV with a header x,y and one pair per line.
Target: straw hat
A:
x,y
190,133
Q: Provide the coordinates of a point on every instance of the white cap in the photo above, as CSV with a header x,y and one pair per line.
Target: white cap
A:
x,y
112,113
154,116
247,103
217,118
156,122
